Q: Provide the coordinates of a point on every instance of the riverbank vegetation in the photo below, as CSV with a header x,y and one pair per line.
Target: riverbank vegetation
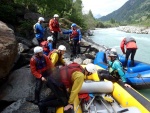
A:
x,y
12,12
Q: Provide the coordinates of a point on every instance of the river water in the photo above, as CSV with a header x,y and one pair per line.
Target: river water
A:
x,y
111,37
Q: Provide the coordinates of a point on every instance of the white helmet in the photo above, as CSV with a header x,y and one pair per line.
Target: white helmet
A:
x,y
41,19
113,49
62,47
38,49
91,68
50,38
56,15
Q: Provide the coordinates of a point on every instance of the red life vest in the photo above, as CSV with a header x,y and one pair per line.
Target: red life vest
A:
x,y
44,45
66,73
74,34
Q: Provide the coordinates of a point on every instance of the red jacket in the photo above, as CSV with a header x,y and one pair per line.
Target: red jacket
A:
x,y
130,44
54,25
37,72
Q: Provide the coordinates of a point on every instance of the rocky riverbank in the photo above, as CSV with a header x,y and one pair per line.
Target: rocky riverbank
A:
x,y
134,29
18,89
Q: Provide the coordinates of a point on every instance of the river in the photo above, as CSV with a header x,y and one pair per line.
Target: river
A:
x,y
111,37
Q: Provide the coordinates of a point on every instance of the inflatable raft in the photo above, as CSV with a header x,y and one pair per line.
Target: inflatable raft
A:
x,y
108,97
138,76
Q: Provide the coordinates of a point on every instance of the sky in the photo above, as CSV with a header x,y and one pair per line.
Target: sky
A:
x,y
102,7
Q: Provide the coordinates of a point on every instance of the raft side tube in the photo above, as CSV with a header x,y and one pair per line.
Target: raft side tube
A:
x,y
97,87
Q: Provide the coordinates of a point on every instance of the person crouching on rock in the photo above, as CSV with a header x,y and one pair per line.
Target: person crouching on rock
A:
x,y
71,77
40,67
115,70
47,45
56,56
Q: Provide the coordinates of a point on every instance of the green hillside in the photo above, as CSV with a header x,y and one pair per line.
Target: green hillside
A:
x,y
132,12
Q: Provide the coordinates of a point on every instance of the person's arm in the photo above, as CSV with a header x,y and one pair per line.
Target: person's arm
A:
x,y
51,25
33,68
122,45
78,78
50,46
80,35
67,32
54,58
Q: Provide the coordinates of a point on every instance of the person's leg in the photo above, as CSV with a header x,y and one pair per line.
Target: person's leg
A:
x,y
128,51
103,74
78,48
55,36
74,47
37,90
40,40
51,101
132,56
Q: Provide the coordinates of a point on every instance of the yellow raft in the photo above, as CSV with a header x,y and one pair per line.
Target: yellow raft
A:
x,y
125,97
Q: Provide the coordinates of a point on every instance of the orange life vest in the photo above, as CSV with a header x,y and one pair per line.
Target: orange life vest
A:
x,y
66,73
74,34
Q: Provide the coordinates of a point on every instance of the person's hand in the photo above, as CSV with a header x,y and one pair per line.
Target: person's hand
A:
x,y
127,85
61,32
52,31
43,79
79,42
69,106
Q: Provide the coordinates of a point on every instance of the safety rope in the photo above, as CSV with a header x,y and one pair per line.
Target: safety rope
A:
x,y
139,76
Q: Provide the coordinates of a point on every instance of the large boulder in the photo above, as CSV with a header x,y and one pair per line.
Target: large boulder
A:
x,y
8,49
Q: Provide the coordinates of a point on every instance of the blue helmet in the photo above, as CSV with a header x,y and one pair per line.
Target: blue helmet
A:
x,y
73,25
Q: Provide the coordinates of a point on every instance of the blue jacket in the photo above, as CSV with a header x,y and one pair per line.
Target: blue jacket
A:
x,y
75,38
116,65
40,31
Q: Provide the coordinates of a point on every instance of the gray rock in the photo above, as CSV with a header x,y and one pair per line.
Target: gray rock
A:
x,y
8,49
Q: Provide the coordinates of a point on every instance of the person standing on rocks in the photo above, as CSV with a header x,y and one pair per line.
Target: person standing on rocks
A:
x,y
47,45
56,56
40,67
131,48
39,30
72,78
75,36
54,29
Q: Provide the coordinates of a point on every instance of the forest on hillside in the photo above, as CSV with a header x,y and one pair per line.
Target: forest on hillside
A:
x,y
132,12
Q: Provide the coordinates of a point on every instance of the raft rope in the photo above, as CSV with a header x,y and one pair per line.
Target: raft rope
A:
x,y
139,76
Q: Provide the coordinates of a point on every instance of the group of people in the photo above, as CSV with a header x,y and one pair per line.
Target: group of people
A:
x,y
68,76
68,79
115,67
51,43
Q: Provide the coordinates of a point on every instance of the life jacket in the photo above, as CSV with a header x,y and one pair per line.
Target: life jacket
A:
x,y
113,72
40,63
55,23
66,73
74,34
130,39
44,45
36,31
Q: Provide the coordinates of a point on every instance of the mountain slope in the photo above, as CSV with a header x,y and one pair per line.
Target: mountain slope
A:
x,y
132,10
